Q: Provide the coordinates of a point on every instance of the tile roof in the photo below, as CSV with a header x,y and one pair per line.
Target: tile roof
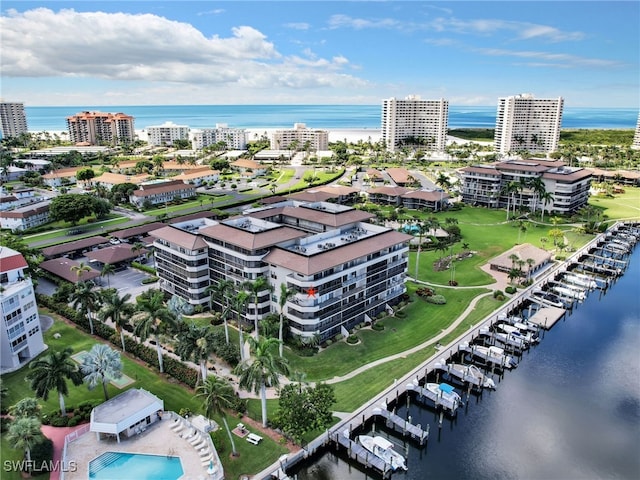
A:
x,y
139,230
399,175
81,244
388,190
176,236
12,261
114,254
429,195
312,264
62,268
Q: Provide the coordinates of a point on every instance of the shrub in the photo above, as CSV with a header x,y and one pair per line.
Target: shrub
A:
x,y
58,420
75,420
4,424
42,457
378,326
400,314
510,290
436,299
144,268
149,280
328,343
352,339
338,337
497,293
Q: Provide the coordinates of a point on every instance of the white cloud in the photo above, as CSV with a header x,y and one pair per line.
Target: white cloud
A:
x,y
298,26
548,59
150,48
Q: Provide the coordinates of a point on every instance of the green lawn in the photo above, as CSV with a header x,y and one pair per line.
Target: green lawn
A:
x,y
199,201
623,206
89,229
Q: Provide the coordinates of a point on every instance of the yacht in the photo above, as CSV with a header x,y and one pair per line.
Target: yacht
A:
x,y
383,449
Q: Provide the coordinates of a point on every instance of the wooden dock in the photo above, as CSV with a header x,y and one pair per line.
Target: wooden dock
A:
x,y
399,424
547,317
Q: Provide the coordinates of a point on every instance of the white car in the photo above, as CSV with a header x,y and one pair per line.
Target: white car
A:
x,y
114,241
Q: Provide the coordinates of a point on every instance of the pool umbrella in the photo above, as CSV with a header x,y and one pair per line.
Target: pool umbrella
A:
x,y
210,469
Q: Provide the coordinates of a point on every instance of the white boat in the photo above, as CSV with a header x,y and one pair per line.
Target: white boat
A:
x,y
383,449
492,354
515,330
466,373
445,395
581,280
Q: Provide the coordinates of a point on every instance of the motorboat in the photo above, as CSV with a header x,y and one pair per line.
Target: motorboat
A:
x,y
383,449
526,334
492,355
445,395
466,373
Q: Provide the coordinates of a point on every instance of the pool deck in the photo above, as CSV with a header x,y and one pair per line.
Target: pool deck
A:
x,y
158,439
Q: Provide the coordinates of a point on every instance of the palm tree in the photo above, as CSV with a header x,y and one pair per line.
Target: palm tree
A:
x,y
538,190
101,365
51,372
107,271
80,269
422,229
218,395
262,369
530,263
84,297
197,344
137,248
510,190
260,284
285,295
118,310
222,293
24,433
151,315
27,407
300,378
240,302
545,198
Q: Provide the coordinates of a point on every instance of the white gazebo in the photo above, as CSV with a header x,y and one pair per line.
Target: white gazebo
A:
x,y
129,413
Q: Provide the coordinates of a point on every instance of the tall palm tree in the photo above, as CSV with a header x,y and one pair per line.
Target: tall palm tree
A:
x,y
240,302
222,292
101,365
197,344
285,295
107,271
539,188
150,317
85,298
118,310
422,229
51,372
545,198
27,407
262,369
260,284
218,395
510,190
24,433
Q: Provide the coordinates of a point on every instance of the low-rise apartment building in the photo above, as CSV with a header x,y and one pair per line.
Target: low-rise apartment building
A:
x,y
23,218
511,183
300,138
20,334
60,177
162,192
341,269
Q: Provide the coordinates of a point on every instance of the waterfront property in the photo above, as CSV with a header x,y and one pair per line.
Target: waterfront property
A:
x,y
340,270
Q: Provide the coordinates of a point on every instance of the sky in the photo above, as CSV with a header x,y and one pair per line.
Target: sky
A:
x,y
74,53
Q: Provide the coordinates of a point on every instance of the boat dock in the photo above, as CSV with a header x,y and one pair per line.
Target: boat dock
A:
x,y
433,399
357,452
399,424
547,317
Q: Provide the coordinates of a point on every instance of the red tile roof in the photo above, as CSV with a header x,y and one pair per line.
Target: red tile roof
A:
x,y
12,262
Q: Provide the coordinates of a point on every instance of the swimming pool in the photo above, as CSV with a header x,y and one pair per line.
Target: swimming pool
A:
x,y
123,466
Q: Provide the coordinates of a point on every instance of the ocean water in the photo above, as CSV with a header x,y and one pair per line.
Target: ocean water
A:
x,y
337,117
569,411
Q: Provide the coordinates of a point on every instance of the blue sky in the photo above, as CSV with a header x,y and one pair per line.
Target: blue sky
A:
x,y
328,52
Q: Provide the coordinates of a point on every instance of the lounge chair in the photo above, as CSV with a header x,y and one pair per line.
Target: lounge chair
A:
x,y
195,439
205,452
177,426
199,445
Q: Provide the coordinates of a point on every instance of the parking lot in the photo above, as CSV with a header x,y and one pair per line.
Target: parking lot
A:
x,y
128,280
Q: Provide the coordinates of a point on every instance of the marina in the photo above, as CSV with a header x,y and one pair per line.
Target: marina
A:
x,y
469,366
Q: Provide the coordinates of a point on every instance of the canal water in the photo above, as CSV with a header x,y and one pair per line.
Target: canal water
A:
x,y
570,410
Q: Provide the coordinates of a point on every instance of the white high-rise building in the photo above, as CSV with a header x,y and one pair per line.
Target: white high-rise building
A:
x,y
13,120
166,134
20,333
234,138
526,123
415,122
636,137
